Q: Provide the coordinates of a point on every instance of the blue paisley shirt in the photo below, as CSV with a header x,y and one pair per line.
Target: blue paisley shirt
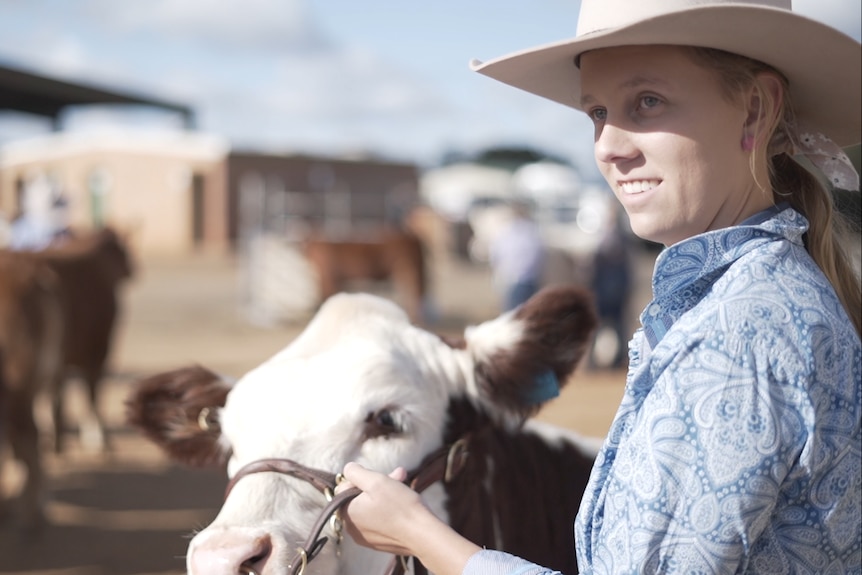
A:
x,y
737,445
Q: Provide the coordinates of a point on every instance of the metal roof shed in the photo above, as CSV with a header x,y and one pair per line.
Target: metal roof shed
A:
x,y
34,93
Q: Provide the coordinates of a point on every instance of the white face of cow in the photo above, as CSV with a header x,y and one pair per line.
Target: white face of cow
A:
x,y
359,384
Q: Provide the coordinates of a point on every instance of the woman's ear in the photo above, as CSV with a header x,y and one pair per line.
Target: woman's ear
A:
x,y
762,104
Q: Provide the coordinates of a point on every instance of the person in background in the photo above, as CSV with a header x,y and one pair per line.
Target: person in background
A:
x,y
516,256
737,447
611,283
44,219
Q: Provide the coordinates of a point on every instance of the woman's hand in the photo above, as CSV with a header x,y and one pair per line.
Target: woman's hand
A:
x,y
375,517
389,516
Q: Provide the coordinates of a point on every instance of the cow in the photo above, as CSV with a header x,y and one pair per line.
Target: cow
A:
x,y
31,332
361,383
90,268
396,255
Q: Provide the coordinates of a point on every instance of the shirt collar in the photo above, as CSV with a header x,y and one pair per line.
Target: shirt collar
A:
x,y
769,212
686,270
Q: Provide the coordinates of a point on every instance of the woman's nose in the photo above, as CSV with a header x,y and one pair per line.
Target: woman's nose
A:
x,y
614,144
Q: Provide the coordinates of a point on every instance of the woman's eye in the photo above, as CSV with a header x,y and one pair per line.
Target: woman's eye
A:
x,y
649,102
598,114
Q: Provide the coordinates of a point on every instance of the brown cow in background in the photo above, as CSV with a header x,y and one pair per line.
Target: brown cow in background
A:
x,y
58,309
31,332
90,269
395,255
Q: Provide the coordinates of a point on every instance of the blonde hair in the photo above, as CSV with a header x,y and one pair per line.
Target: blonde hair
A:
x,y
788,180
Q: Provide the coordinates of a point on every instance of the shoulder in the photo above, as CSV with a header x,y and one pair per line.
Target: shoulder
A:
x,y
780,288
771,316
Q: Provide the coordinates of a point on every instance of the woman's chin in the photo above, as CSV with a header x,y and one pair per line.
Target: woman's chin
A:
x,y
648,232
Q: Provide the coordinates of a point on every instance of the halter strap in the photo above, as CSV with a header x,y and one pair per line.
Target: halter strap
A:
x,y
323,481
440,465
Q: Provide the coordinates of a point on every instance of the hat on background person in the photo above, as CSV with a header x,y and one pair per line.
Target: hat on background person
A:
x,y
822,65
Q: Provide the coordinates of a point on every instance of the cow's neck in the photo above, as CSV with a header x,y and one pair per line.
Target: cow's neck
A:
x,y
517,492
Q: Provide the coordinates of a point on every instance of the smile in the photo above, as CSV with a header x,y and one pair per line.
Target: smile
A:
x,y
638,186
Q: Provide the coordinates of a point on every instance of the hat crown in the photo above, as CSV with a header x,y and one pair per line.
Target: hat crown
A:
x,y
598,15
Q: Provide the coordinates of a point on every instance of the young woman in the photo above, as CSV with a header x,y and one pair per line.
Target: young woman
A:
x,y
737,447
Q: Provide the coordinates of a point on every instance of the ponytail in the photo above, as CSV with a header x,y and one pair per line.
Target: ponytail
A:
x,y
828,229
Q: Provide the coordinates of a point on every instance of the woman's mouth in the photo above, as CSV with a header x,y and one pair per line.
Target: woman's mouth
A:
x,y
637,186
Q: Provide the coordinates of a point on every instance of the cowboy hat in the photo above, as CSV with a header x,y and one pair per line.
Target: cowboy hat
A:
x,y
822,65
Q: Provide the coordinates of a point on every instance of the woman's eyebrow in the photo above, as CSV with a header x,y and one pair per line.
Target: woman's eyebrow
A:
x,y
630,84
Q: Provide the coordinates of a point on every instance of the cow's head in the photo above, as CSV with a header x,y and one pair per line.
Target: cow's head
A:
x,y
360,383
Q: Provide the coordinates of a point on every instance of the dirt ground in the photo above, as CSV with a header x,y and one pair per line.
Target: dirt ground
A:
x,y
132,512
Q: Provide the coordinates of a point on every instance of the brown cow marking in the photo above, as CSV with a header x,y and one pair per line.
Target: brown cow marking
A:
x,y
516,493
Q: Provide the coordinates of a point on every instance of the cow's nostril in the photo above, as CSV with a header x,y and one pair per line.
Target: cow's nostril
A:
x,y
232,552
254,564
248,567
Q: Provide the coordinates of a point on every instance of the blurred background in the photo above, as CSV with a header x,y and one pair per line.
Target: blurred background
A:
x,y
222,137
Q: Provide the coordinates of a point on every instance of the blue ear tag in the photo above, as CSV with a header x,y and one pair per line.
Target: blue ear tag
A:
x,y
545,387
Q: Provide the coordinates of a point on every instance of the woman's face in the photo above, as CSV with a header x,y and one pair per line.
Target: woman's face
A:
x,y
668,141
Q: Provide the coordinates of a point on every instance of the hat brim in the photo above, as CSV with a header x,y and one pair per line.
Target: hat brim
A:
x,y
822,65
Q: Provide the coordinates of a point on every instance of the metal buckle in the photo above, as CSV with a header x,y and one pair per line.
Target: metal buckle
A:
x,y
455,459
303,557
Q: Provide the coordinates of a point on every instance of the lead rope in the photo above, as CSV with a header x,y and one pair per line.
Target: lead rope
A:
x,y
442,464
432,470
314,543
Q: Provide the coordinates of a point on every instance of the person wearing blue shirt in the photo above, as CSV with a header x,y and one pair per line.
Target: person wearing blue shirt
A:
x,y
737,447
516,255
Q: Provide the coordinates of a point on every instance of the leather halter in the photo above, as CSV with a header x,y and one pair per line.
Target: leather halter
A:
x,y
442,464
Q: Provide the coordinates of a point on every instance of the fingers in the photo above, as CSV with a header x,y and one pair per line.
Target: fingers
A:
x,y
398,474
359,475
376,518
355,475
343,486
362,477
352,470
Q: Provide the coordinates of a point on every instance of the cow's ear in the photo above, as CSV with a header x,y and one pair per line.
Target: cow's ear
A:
x,y
178,410
524,357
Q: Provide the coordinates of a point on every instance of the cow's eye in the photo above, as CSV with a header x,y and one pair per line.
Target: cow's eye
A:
x,y
381,423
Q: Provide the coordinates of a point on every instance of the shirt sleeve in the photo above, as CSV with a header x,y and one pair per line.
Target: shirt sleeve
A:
x,y
487,562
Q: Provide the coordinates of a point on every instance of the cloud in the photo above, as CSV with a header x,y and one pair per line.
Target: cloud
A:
x,y
245,24
276,72
256,71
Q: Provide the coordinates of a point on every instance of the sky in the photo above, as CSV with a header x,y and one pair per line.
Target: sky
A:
x,y
385,77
